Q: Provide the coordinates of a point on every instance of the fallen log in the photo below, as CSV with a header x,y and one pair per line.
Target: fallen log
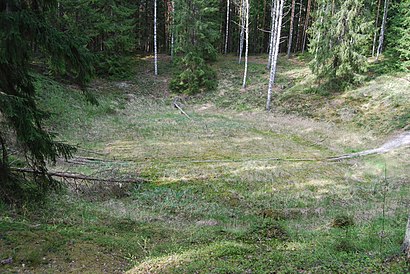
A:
x,y
74,176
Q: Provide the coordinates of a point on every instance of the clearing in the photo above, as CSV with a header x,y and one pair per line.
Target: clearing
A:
x,y
231,190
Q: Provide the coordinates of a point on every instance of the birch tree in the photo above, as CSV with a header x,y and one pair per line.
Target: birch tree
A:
x,y
376,26
382,30
292,16
276,33
227,26
242,25
246,41
272,34
155,40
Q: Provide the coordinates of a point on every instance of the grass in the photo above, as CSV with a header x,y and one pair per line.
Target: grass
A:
x,y
217,201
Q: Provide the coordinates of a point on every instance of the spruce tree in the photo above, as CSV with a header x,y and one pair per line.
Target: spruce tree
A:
x,y
398,36
197,33
106,27
338,42
24,24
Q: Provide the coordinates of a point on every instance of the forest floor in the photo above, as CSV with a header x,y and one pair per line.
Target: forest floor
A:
x,y
232,189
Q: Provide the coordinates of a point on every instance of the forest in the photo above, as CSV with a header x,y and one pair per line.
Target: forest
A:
x,y
205,136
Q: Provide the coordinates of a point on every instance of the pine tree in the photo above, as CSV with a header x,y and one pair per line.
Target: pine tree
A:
x,y
341,40
24,23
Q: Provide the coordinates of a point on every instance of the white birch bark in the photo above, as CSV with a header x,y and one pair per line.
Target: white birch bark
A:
x,y
246,42
275,52
272,32
406,243
382,30
292,16
242,35
376,25
155,39
227,26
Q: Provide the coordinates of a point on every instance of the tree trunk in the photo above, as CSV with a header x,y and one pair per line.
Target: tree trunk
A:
x,y
299,26
242,35
382,30
264,25
292,16
272,32
305,27
376,25
146,30
246,42
155,39
172,30
406,243
4,164
227,26
275,52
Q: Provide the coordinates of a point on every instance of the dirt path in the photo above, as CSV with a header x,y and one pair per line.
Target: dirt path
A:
x,y
399,141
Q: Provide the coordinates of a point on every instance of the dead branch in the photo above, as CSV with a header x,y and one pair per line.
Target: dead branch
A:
x,y
180,109
74,176
91,151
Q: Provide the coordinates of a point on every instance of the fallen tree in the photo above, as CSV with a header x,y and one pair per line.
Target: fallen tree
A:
x,y
74,176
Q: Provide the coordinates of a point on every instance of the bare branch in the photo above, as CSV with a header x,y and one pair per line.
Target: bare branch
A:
x,y
80,176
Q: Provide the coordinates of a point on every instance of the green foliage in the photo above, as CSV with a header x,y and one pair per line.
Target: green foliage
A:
x,y
339,41
398,36
116,66
197,33
106,28
23,25
196,27
193,75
